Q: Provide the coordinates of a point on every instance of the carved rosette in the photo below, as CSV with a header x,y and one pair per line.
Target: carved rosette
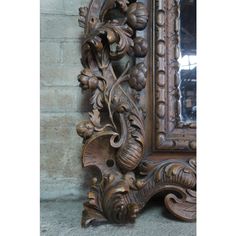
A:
x,y
114,134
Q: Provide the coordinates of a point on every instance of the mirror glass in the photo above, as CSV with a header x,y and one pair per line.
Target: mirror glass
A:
x,y
187,60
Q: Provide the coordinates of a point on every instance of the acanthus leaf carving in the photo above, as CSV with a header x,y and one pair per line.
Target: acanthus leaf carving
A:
x,y
115,145
108,91
118,198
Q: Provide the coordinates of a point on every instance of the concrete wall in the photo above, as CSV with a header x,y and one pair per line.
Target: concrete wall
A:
x,y
62,103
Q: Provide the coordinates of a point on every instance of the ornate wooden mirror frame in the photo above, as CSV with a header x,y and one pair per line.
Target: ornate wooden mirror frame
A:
x,y
134,137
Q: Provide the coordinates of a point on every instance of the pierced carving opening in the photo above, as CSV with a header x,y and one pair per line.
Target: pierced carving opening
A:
x,y
114,13
110,163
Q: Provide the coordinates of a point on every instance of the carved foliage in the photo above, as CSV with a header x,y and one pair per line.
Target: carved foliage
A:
x,y
115,146
111,40
118,198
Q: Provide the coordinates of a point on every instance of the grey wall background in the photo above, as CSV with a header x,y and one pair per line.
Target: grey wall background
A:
x,y
62,104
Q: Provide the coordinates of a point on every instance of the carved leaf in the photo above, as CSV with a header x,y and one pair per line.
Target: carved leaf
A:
x,y
135,121
125,41
119,34
83,11
176,172
90,216
96,99
183,208
123,189
95,117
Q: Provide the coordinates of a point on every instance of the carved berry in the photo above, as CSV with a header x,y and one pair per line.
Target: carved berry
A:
x,y
137,16
87,80
85,129
140,47
138,76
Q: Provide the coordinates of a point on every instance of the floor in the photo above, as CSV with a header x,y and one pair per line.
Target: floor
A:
x,y
62,218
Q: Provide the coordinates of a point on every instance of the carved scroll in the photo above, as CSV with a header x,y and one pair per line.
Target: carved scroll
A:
x,y
114,134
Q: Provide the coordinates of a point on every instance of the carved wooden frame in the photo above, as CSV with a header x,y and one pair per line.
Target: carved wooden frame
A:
x,y
115,143
172,134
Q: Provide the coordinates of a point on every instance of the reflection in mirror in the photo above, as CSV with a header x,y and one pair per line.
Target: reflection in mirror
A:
x,y
187,60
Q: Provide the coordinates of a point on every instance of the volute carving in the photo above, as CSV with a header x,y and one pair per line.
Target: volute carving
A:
x,y
114,134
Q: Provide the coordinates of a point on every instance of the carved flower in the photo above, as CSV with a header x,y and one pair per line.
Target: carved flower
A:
x,y
85,129
137,15
138,76
87,80
140,47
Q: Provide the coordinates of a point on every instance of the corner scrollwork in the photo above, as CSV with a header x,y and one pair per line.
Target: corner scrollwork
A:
x,y
126,119
114,134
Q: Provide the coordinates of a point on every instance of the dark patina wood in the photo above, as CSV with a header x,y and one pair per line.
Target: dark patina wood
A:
x,y
127,142
169,133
